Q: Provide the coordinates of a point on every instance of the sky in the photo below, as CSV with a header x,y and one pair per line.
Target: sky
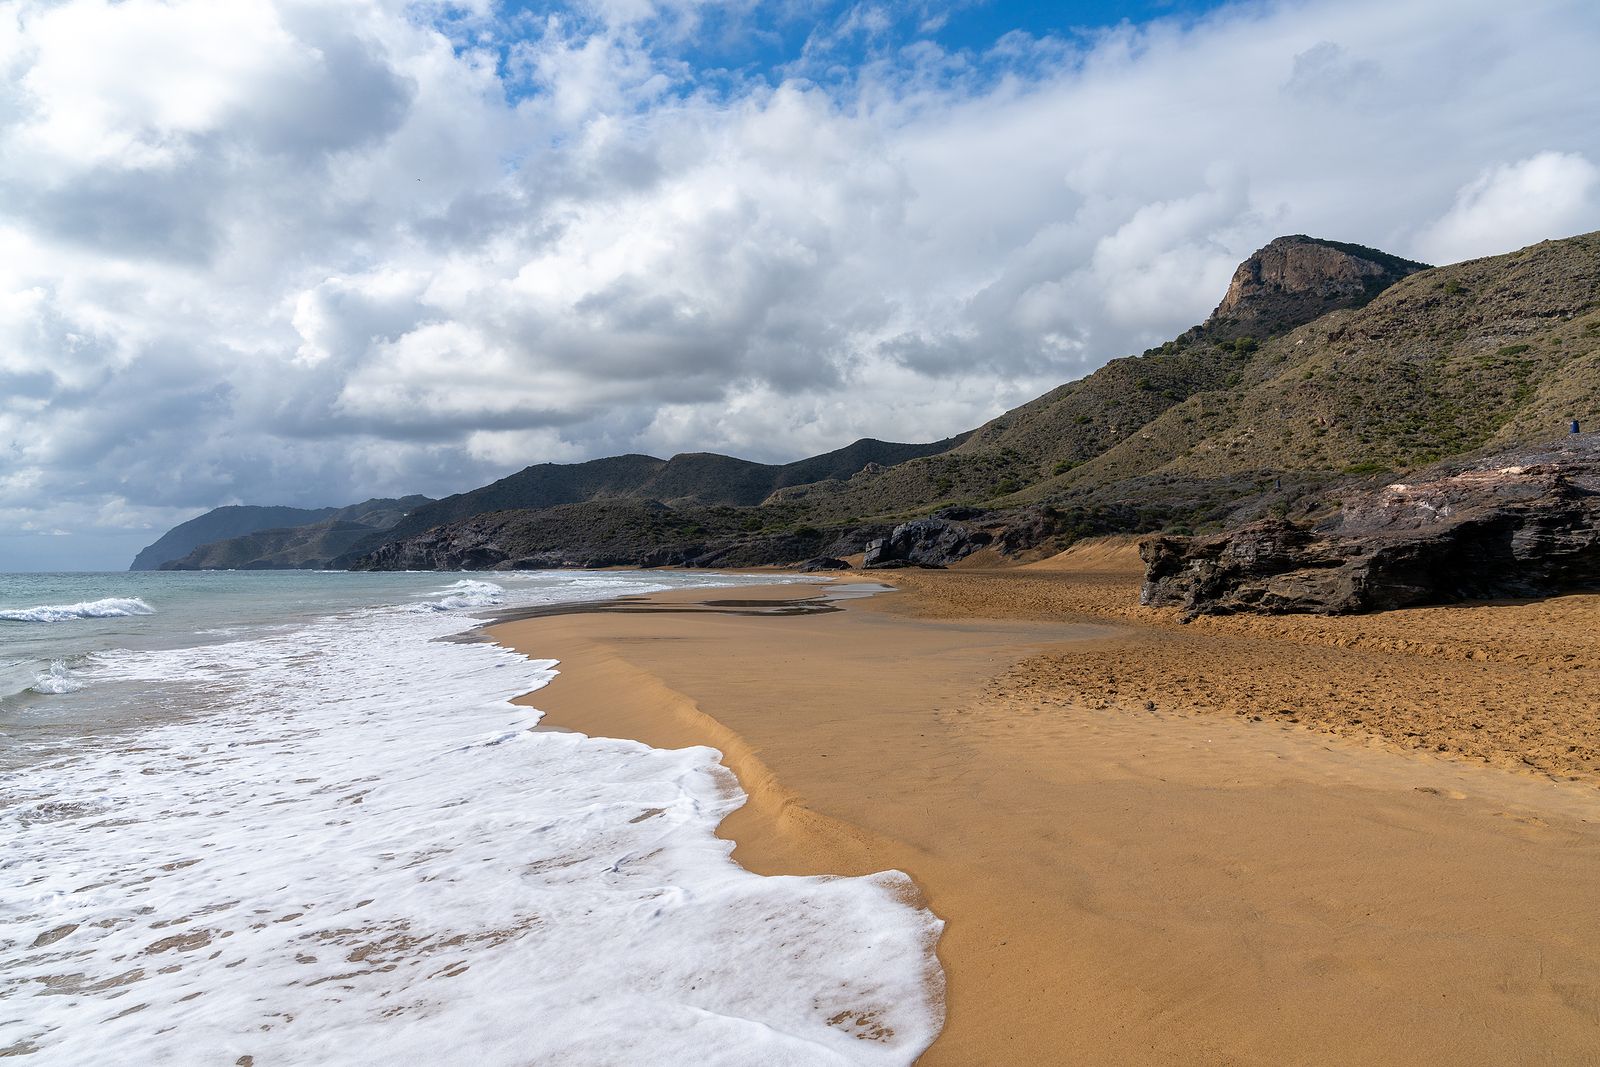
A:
x,y
293,252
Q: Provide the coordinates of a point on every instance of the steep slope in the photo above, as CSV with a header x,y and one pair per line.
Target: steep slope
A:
x,y
1450,361
1287,283
312,545
219,523
1323,363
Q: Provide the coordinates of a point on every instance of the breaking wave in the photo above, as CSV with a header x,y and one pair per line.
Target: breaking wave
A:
x,y
108,608
58,679
459,596
400,868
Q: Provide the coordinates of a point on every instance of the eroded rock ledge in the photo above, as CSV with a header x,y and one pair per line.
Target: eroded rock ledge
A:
x,y
1522,523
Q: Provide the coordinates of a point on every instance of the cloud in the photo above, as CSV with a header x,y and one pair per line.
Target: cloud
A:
x,y
285,251
1550,194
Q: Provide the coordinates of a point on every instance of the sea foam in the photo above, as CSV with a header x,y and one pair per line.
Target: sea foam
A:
x,y
464,596
59,678
365,854
108,608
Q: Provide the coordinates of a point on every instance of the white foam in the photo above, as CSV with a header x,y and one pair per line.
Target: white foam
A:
x,y
108,608
365,855
58,679
465,595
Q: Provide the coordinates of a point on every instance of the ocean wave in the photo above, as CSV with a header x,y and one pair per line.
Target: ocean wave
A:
x,y
58,679
108,608
459,596
527,896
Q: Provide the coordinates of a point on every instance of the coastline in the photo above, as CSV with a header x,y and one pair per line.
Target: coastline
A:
x,y
1133,884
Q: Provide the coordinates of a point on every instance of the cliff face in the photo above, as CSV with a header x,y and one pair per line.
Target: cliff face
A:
x,y
1520,523
1294,280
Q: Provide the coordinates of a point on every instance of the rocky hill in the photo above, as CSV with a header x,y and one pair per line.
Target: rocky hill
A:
x,y
690,480
613,533
311,545
1323,364
1289,282
217,524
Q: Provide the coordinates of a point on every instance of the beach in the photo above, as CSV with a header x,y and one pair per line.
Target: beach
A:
x,y
295,818
1286,840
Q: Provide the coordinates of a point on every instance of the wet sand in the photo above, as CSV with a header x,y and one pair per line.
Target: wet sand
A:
x,y
1134,867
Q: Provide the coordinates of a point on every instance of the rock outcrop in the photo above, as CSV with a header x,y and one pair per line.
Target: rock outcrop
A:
x,y
1523,523
1295,279
823,563
930,542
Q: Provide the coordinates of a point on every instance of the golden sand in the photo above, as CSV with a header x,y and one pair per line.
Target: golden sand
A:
x,y
1236,842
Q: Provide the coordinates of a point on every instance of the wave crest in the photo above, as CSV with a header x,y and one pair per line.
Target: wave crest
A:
x,y
58,679
465,594
108,608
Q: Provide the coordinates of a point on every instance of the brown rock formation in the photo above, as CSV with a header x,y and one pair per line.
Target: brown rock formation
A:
x,y
1295,279
1523,523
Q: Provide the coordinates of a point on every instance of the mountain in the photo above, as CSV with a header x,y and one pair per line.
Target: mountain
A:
x,y
1291,281
1446,362
687,480
311,545
1324,363
218,523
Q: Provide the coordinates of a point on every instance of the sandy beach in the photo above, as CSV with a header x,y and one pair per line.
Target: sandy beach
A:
x,y
1242,841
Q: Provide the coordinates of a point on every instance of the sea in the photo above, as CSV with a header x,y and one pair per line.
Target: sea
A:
x,y
261,818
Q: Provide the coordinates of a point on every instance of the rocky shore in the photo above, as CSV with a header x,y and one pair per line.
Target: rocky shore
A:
x,y
1519,523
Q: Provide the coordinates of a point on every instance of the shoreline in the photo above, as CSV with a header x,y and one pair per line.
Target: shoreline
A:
x,y
1137,885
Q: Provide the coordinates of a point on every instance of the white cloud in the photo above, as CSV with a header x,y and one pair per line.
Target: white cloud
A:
x,y
288,251
1550,194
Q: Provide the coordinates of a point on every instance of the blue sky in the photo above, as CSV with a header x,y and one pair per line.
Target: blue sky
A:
x,y
764,39
302,252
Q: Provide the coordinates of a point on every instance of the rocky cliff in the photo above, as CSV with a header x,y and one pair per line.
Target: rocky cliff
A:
x,y
1518,523
1293,280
